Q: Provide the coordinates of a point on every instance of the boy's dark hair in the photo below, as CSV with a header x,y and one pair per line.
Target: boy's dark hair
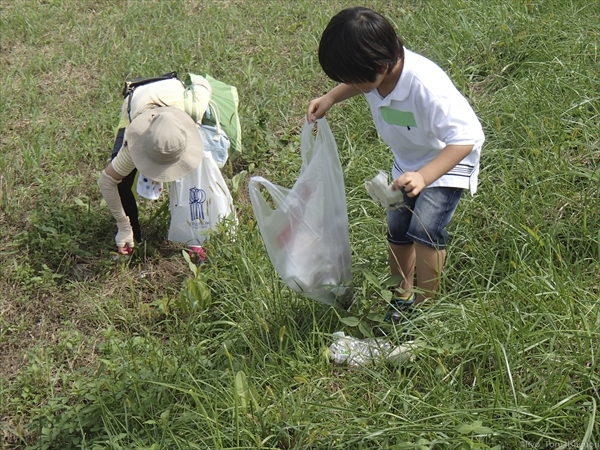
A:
x,y
357,44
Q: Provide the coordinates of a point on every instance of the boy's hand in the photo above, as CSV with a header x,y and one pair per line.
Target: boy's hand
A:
x,y
318,107
412,182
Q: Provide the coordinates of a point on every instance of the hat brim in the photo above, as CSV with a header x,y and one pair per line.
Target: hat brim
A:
x,y
190,158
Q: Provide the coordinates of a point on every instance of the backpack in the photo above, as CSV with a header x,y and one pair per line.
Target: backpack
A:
x,y
226,99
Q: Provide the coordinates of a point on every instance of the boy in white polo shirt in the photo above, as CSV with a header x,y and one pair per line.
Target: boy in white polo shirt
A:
x,y
431,129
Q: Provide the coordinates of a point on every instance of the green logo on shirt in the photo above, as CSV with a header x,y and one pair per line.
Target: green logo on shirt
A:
x,y
396,117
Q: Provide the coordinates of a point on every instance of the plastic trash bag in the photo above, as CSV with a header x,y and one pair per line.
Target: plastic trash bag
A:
x,y
306,234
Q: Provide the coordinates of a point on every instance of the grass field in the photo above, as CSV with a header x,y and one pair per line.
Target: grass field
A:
x,y
155,353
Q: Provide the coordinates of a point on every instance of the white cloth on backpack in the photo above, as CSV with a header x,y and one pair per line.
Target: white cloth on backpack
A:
x,y
148,188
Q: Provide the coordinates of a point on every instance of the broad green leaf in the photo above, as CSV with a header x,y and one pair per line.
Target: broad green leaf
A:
x,y
464,429
241,388
237,180
191,265
365,330
350,321
482,430
393,281
373,279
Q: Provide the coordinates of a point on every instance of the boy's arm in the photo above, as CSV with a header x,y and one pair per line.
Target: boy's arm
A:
x,y
319,106
415,182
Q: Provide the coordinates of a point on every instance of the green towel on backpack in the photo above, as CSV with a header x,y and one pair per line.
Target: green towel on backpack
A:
x,y
226,98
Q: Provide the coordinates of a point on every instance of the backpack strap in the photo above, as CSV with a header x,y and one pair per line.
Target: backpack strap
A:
x,y
131,85
190,103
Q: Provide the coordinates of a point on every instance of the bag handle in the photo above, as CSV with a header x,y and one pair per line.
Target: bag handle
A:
x,y
308,140
277,193
214,110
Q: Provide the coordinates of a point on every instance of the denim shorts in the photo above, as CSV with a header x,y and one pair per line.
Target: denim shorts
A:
x,y
424,218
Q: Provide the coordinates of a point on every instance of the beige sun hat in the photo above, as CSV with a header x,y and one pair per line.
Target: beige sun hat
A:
x,y
164,143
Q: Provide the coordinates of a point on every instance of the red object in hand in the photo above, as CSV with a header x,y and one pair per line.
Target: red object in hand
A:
x,y
127,249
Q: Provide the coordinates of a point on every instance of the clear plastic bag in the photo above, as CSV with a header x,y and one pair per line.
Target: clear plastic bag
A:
x,y
306,234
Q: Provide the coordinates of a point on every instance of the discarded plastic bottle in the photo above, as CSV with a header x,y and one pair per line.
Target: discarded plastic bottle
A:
x,y
359,352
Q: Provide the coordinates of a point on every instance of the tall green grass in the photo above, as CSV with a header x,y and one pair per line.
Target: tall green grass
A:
x,y
157,353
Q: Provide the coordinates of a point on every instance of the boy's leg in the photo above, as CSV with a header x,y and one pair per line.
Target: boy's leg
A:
x,y
402,263
401,250
429,262
433,211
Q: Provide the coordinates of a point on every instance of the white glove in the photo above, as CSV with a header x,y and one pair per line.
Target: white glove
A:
x,y
110,192
382,193
124,236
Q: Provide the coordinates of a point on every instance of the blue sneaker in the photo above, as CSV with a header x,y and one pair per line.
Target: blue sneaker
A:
x,y
400,309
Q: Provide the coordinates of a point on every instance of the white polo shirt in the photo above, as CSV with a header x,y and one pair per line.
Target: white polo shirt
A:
x,y
422,115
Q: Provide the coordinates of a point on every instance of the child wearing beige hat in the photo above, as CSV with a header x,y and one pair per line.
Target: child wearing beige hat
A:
x,y
158,136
